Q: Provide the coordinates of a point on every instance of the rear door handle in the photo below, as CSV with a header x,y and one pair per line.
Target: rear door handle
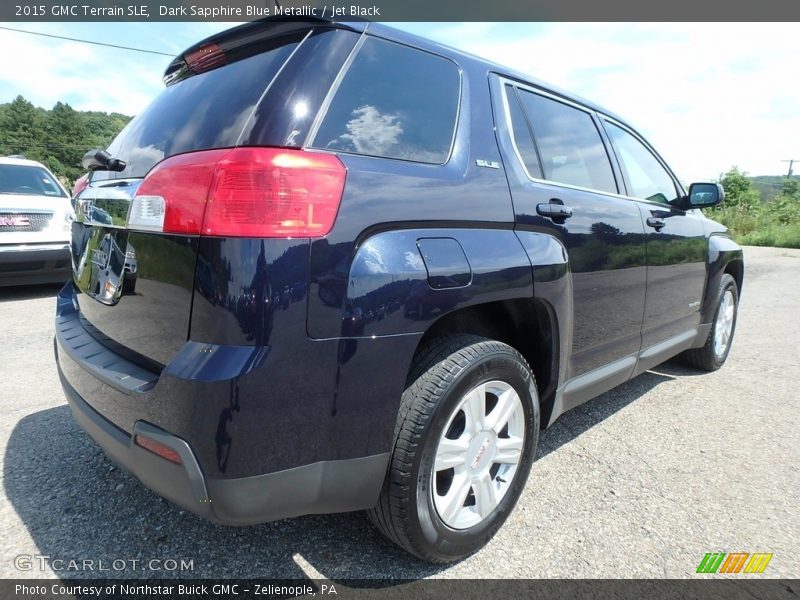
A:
x,y
554,210
656,223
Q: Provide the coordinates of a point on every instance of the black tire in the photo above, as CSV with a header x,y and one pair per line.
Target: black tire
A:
x,y
706,358
442,373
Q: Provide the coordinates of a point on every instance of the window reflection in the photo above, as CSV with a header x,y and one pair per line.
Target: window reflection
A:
x,y
394,102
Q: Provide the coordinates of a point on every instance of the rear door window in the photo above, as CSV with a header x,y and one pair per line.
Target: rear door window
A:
x,y
569,144
394,102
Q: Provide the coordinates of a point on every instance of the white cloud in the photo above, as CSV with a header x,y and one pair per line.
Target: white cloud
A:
x,y
708,96
46,70
372,132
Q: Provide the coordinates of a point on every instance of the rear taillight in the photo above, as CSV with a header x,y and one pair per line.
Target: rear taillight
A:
x,y
243,192
172,198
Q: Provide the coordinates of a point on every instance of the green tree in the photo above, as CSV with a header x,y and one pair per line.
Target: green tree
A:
x,y
20,126
59,137
791,188
65,131
785,207
739,191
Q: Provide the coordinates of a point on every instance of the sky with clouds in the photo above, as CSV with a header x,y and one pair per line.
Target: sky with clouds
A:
x,y
707,96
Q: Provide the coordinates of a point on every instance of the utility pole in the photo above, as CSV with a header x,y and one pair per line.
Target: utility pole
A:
x,y
791,162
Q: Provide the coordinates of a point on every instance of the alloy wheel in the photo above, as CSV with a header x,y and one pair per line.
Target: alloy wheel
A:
x,y
724,324
478,454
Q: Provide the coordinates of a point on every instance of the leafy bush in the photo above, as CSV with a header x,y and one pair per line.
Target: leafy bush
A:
x,y
774,223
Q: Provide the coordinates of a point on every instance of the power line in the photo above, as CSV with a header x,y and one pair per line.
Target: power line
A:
x,y
61,37
791,162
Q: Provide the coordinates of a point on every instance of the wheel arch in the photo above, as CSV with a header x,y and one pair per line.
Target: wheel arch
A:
x,y
724,256
529,325
735,268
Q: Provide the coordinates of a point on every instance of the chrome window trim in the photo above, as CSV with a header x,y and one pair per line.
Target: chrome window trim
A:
x,y
592,114
600,116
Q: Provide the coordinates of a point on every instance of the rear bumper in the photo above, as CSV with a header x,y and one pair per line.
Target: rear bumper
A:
x,y
34,263
324,487
95,379
182,484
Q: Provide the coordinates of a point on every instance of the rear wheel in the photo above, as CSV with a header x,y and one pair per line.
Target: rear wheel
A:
x,y
464,443
718,344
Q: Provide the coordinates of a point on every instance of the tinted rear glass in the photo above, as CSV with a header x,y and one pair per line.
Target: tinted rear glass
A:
x,y
205,111
394,102
30,180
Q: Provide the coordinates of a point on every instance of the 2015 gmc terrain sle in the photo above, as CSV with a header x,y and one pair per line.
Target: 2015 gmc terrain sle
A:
x,y
369,269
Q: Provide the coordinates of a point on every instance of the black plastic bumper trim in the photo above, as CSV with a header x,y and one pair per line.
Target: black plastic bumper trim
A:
x,y
319,488
182,484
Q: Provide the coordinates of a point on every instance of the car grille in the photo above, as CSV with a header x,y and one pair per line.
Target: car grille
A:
x,y
24,221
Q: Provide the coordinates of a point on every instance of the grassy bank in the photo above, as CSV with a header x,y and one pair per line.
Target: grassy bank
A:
x,y
767,226
780,236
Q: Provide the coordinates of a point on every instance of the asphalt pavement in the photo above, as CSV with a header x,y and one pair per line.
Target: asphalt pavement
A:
x,y
640,482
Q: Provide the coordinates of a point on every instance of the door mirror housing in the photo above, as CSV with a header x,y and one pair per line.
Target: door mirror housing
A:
x,y
703,195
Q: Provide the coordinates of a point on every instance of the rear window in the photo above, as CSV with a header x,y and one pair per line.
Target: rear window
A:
x,y
394,102
208,110
28,180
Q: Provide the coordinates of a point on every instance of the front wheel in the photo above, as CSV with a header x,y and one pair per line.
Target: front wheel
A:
x,y
464,443
718,344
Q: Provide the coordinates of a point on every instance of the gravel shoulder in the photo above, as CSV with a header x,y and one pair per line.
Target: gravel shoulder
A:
x,y
640,482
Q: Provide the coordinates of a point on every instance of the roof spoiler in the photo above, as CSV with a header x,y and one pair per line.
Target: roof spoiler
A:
x,y
242,42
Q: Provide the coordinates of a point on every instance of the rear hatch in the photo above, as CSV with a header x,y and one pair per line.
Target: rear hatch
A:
x,y
260,84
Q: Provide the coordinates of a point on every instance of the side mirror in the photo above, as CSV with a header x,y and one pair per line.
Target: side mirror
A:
x,y
702,195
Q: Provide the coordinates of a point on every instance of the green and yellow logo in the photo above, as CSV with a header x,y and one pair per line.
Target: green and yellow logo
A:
x,y
734,562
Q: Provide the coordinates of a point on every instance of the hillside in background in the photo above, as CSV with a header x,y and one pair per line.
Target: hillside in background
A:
x,y
770,186
58,137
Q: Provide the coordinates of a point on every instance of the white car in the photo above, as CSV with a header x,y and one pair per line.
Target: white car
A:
x,y
35,224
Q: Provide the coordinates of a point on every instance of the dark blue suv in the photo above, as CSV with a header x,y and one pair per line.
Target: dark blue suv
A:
x,y
368,270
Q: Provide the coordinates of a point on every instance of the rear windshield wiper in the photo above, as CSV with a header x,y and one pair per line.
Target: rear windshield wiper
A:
x,y
100,160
